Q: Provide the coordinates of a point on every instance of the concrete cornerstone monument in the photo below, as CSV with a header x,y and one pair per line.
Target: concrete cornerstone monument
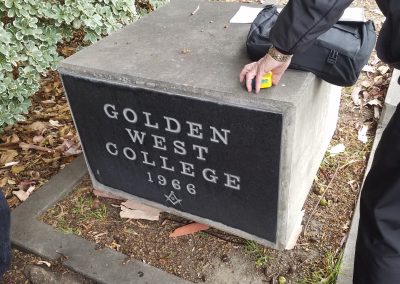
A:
x,y
163,119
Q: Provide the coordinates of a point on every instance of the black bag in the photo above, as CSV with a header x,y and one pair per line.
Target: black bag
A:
x,y
337,56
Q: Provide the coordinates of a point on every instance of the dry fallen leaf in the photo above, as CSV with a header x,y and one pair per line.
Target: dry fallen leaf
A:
x,y
3,181
376,112
12,139
365,95
135,210
339,148
7,157
16,169
55,123
47,88
383,69
67,50
366,84
65,145
362,134
23,195
131,204
375,102
378,80
188,229
138,214
368,68
72,151
38,139
38,126
23,185
355,96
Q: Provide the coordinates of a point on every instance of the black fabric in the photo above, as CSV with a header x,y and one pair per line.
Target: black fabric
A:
x,y
303,21
5,257
377,259
337,56
388,46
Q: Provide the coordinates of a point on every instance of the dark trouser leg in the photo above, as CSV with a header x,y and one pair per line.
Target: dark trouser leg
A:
x,y
5,257
377,259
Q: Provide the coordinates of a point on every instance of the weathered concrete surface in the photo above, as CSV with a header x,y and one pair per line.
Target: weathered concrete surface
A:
x,y
391,101
102,265
200,56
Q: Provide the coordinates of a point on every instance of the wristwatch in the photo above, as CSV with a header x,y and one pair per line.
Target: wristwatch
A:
x,y
278,56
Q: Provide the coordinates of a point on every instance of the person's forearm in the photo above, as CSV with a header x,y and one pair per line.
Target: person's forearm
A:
x,y
302,21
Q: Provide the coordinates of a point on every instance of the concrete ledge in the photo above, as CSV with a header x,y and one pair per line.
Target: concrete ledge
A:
x,y
103,265
275,173
391,101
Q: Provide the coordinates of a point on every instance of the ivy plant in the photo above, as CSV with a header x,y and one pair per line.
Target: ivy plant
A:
x,y
30,31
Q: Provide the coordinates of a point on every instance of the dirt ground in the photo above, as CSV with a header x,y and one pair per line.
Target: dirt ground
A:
x,y
328,208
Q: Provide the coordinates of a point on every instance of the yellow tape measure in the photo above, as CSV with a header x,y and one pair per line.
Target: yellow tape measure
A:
x,y
266,81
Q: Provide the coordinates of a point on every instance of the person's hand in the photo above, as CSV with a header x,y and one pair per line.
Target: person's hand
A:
x,y
260,68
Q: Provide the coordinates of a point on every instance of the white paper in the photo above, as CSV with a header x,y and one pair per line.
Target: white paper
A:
x,y
337,149
246,15
353,14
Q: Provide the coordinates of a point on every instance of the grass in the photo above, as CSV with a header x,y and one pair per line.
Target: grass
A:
x,y
257,252
66,228
84,208
328,273
202,234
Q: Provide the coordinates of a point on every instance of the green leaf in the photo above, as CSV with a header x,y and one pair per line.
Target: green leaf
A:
x,y
5,37
8,3
91,36
77,23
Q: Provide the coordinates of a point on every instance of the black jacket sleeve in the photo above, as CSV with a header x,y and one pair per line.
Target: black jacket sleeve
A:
x,y
388,45
302,21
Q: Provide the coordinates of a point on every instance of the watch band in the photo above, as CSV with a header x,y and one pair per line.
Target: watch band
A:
x,y
277,55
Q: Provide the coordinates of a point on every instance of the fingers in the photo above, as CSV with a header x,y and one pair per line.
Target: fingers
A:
x,y
249,78
258,69
248,72
242,74
244,71
259,75
276,78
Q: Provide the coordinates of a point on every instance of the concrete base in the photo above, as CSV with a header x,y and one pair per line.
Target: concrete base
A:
x,y
391,101
199,57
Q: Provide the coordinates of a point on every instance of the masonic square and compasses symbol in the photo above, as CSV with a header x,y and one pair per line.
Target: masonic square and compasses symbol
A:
x,y
173,199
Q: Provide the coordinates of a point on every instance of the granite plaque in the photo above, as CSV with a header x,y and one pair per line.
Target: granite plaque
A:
x,y
215,161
